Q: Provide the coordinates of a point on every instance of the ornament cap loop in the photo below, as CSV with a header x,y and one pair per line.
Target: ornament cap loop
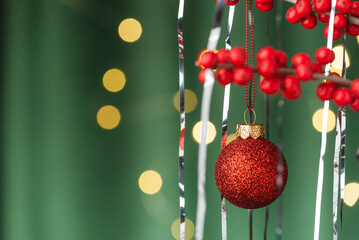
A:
x,y
255,116
245,131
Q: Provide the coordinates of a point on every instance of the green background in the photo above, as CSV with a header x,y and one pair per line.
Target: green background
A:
x,y
64,177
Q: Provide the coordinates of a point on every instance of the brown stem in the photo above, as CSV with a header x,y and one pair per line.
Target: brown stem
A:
x,y
290,71
350,18
318,76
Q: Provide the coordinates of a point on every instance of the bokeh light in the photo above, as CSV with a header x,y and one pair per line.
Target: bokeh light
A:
x,y
114,80
317,120
211,132
338,61
150,182
351,194
190,100
130,30
230,138
108,117
189,232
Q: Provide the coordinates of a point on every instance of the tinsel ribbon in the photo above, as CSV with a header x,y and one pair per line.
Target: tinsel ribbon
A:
x,y
339,153
227,91
205,110
280,104
182,121
324,133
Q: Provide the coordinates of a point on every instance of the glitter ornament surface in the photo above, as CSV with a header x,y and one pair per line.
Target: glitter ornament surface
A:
x,y
251,173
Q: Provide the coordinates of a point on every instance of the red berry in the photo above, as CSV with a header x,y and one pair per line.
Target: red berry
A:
x,y
325,91
237,56
324,55
342,97
292,95
301,58
310,21
303,7
317,67
322,6
304,72
242,75
353,29
292,16
264,7
202,76
323,17
355,104
340,21
281,58
208,60
344,6
336,33
355,9
224,76
290,85
264,1
270,85
231,2
265,53
267,68
223,56
354,88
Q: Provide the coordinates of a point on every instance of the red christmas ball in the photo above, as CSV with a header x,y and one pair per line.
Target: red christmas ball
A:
x,y
251,173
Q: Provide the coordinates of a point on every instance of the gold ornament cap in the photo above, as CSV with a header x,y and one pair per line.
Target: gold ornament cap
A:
x,y
247,130
253,130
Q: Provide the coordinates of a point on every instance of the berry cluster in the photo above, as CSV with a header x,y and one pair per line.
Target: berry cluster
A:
x,y
232,66
303,12
270,62
341,96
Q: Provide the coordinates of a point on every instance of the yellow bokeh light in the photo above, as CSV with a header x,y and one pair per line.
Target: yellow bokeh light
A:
x,y
114,80
190,100
338,61
150,182
358,39
130,30
189,232
317,120
335,70
231,137
108,117
351,194
211,132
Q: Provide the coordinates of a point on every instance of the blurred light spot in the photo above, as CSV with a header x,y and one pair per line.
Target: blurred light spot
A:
x,y
130,30
108,117
358,39
211,132
333,69
175,229
190,101
351,194
114,80
150,182
261,78
231,137
317,120
338,61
